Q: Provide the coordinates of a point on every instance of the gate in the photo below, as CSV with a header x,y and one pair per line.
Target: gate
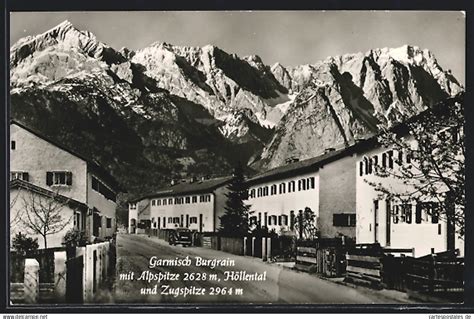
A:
x,y
74,283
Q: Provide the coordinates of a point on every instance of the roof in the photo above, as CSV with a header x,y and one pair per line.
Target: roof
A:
x,y
96,166
18,183
188,188
307,165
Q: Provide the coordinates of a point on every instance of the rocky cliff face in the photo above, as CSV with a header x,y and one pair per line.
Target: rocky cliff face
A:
x,y
166,111
346,97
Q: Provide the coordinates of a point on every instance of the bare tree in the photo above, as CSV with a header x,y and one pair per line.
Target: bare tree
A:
x,y
17,217
434,168
42,215
305,224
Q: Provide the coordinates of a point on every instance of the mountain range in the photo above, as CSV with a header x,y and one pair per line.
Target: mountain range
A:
x,y
171,112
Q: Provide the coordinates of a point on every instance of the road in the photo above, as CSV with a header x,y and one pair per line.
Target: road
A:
x,y
281,285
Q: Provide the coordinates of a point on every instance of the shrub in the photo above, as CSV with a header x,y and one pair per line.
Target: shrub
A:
x,y
74,238
24,244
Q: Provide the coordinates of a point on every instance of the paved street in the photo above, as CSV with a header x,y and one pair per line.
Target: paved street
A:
x,y
281,285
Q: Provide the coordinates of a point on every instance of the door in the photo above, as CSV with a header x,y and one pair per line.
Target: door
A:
x,y
200,223
74,284
388,222
376,221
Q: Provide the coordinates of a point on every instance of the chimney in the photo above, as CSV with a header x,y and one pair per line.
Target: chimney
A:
x,y
329,150
292,159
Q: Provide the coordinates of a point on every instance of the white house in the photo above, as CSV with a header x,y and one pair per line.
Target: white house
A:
x,y
325,184
42,162
23,194
390,222
196,205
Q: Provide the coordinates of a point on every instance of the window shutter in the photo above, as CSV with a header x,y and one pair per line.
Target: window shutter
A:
x,y
68,178
26,177
49,178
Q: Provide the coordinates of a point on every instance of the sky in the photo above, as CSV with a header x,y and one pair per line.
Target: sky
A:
x,y
288,37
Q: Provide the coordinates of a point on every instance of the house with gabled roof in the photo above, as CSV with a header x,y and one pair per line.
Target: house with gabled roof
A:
x,y
193,204
45,164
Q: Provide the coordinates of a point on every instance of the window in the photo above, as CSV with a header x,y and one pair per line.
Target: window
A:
x,y
58,178
311,183
390,159
176,200
19,175
291,186
153,202
361,168
409,157
284,220
193,220
13,145
170,220
375,160
158,202
384,160
176,220
188,200
370,165
273,190
400,157
366,165
395,213
195,199
272,220
279,220
265,191
406,213
170,201
418,211
133,206
282,188
432,209
109,222
302,185
344,220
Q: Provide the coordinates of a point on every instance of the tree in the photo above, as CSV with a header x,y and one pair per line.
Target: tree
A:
x,y
43,215
434,170
235,220
305,224
16,217
24,244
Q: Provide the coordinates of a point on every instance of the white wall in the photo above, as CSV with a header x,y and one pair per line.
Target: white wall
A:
x,y
17,212
282,204
37,156
107,208
422,237
191,210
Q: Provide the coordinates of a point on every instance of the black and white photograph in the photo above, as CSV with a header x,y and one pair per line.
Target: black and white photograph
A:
x,y
236,157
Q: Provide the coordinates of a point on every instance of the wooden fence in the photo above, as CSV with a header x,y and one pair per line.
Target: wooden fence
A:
x,y
372,265
325,256
59,275
436,275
